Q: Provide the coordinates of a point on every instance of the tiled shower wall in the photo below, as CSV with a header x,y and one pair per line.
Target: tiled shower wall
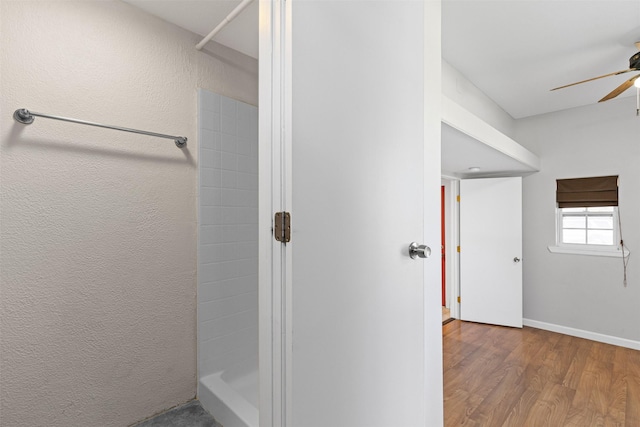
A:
x,y
227,233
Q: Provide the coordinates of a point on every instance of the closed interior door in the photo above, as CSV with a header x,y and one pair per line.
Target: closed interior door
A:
x,y
491,251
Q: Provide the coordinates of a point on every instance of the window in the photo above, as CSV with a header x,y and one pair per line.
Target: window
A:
x,y
587,216
588,226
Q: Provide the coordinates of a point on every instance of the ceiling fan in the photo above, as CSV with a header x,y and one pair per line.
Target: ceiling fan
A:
x,y
634,65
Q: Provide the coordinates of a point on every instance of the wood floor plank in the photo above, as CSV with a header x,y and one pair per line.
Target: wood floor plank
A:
x,y
520,411
458,406
527,355
603,352
632,410
509,377
617,398
559,360
572,377
551,407
583,418
493,410
537,373
455,348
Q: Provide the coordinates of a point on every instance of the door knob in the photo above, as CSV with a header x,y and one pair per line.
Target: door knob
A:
x,y
516,259
416,250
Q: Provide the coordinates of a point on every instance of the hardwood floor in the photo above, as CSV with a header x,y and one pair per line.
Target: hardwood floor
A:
x,y
498,376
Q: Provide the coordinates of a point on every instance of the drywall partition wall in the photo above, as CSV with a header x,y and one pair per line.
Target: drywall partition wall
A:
x,y
98,227
575,293
459,118
460,90
227,233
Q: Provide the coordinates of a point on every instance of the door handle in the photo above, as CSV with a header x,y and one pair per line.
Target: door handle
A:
x,y
416,250
516,259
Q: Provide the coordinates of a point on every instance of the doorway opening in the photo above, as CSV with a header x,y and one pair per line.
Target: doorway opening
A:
x,y
446,313
449,244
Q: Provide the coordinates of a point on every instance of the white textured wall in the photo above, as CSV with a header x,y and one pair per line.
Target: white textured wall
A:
x,y
98,227
577,291
227,234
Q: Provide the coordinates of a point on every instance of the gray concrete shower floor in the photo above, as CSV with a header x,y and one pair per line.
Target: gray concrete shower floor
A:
x,y
191,414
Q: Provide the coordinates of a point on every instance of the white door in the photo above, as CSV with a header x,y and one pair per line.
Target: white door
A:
x,y
360,323
491,251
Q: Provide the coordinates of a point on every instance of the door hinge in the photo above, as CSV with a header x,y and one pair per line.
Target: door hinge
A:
x,y
282,227
458,248
458,198
458,300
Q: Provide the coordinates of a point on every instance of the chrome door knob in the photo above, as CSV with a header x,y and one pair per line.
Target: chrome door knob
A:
x,y
416,250
516,259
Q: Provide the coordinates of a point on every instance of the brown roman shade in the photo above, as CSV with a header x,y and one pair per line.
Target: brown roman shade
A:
x,y
587,192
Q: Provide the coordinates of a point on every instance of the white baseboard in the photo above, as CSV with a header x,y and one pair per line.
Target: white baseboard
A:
x,y
608,339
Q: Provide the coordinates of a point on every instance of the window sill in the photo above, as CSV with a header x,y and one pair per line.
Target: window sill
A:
x,y
614,253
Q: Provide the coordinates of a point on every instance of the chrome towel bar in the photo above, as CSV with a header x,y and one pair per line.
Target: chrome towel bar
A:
x,y
26,117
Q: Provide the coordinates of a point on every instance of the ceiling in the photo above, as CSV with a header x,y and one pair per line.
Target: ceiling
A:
x,y
202,16
512,50
516,50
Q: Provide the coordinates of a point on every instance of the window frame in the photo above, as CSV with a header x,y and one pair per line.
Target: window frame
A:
x,y
613,250
561,214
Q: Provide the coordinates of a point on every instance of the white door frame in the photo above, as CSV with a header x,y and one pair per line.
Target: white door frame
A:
x,y
274,169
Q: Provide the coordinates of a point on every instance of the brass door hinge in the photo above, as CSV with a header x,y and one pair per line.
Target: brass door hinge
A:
x,y
458,198
282,227
458,248
458,300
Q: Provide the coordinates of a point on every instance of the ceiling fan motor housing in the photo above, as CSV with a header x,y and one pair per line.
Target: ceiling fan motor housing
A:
x,y
634,61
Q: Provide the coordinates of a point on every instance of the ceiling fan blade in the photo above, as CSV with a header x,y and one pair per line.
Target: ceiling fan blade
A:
x,y
617,91
595,78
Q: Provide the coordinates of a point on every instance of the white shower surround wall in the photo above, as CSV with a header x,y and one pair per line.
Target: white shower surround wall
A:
x,y
228,259
232,395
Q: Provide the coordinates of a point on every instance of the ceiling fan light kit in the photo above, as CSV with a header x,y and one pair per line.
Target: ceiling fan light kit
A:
x,y
634,65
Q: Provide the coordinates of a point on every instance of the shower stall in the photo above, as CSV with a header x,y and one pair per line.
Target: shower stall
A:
x,y
228,259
